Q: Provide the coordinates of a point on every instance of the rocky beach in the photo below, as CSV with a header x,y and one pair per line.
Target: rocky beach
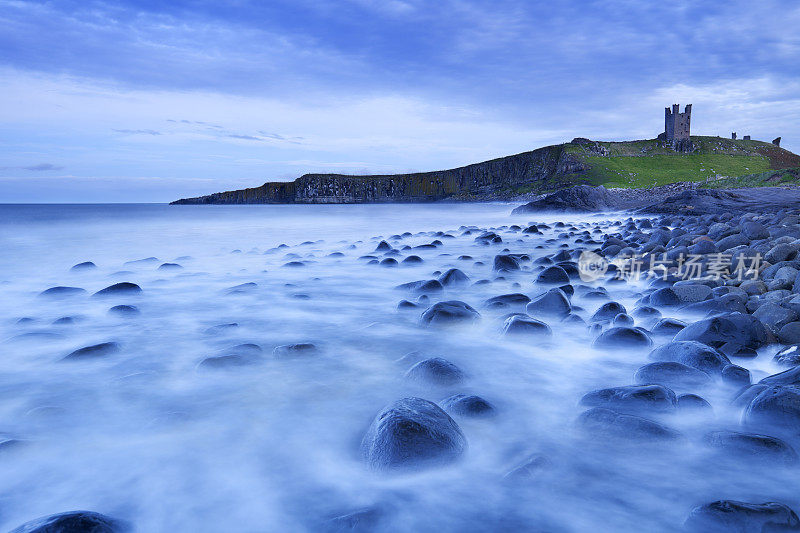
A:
x,y
469,370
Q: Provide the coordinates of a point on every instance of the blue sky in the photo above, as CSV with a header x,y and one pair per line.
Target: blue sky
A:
x,y
153,100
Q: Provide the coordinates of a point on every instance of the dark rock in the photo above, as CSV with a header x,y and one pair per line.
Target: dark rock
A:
x,y
605,422
436,370
124,287
728,516
294,264
62,291
622,320
523,325
665,297
632,398
790,333
468,406
554,275
74,522
667,327
506,262
671,374
507,300
736,328
96,350
169,266
752,445
581,198
414,433
389,262
774,316
552,303
736,375
383,246
405,304
423,286
412,260
693,354
789,356
776,407
623,337
449,312
787,377
608,311
301,349
453,278
693,403
86,265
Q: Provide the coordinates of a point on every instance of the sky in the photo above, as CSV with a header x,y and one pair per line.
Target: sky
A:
x,y
149,101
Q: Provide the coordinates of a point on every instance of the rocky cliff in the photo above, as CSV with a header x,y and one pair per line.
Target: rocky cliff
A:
x,y
546,169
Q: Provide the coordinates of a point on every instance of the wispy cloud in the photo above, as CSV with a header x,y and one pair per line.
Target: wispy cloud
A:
x,y
138,132
39,167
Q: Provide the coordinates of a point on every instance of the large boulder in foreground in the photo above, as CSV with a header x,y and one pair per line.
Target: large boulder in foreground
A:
x,y
412,433
581,198
728,516
74,522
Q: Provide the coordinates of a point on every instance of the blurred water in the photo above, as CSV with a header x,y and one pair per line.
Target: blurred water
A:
x,y
146,435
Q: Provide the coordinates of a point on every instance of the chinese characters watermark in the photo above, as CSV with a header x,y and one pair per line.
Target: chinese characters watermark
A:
x,y
717,266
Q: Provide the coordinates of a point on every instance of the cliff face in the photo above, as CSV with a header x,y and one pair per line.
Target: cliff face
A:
x,y
477,181
619,164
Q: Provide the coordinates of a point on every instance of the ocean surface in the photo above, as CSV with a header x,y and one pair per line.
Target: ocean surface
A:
x,y
150,435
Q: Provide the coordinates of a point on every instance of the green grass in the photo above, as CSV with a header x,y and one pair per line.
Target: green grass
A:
x,y
660,169
774,178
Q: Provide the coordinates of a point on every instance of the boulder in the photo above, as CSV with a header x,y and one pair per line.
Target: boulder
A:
x,y
74,522
728,516
505,262
752,445
524,325
124,287
453,278
412,433
553,275
623,337
608,423
789,356
693,354
776,408
450,312
632,398
94,351
736,328
436,370
553,303
671,374
468,406
608,311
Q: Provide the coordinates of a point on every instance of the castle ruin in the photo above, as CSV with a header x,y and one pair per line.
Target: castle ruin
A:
x,y
677,126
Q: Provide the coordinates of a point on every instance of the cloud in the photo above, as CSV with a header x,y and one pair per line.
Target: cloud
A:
x,y
138,132
39,167
243,137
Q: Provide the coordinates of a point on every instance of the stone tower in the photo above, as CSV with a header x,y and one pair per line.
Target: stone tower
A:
x,y
676,127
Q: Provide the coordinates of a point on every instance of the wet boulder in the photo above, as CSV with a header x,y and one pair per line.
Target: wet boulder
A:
x,y
600,421
94,351
728,516
667,327
290,351
671,374
665,297
623,337
412,433
423,286
789,356
74,522
608,311
752,445
632,398
692,403
553,303
735,376
776,408
693,354
527,326
734,329
555,275
86,265
468,406
62,291
450,312
436,370
453,278
507,300
505,262
125,287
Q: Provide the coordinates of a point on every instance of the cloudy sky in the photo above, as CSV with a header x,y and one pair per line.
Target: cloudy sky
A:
x,y
150,100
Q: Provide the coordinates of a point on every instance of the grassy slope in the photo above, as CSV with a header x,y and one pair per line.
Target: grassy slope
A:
x,y
647,163
772,178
